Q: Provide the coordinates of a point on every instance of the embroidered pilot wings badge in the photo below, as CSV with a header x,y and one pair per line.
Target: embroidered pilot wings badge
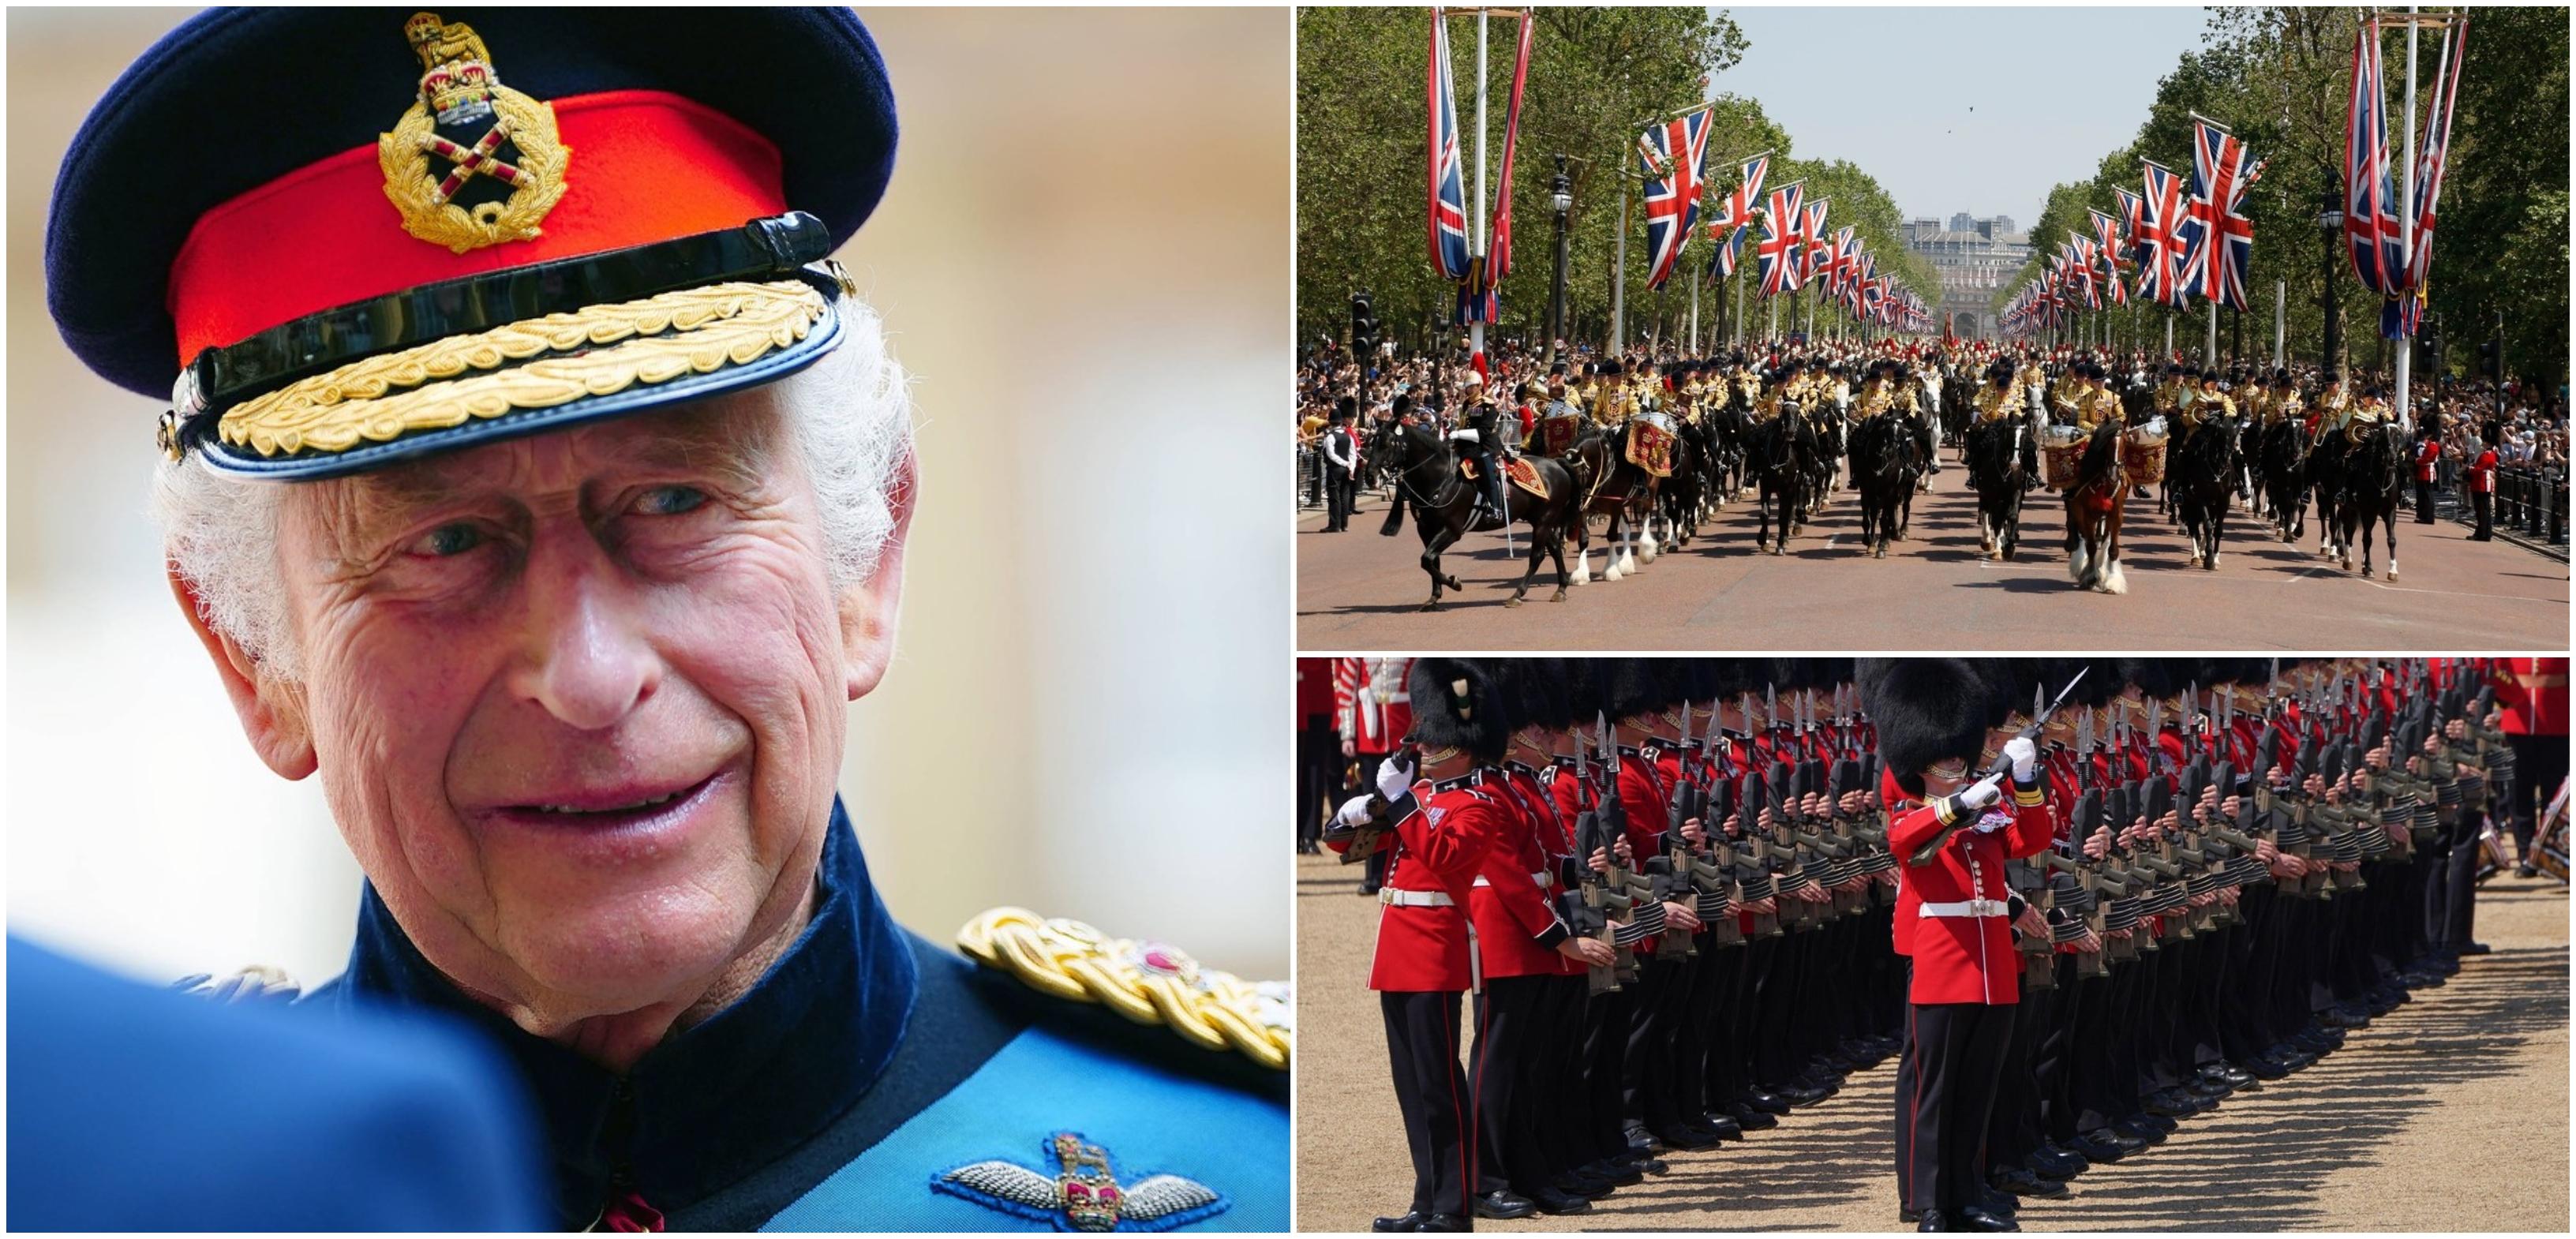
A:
x,y
1084,1194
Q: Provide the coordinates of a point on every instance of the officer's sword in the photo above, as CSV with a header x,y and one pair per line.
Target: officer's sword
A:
x,y
2002,766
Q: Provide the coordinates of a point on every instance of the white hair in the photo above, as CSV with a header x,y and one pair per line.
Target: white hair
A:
x,y
852,412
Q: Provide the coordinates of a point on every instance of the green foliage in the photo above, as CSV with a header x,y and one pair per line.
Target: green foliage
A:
x,y
1596,76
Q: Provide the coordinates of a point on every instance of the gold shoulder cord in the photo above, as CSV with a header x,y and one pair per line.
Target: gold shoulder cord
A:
x,y
1148,982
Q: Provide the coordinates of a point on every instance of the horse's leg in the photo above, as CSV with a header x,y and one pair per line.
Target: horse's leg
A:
x,y
1433,542
2391,524
2114,581
2217,535
1537,553
1556,550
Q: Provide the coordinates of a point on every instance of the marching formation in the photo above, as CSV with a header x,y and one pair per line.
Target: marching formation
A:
x,y
2079,901
1658,443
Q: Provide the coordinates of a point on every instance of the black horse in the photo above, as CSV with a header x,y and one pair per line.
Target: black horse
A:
x,y
2202,483
1993,456
1781,454
2284,474
1886,456
2326,464
1443,503
2374,472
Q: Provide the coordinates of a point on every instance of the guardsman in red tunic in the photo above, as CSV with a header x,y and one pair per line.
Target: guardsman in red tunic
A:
x,y
2428,461
1642,690
1932,717
2482,481
1525,950
1443,826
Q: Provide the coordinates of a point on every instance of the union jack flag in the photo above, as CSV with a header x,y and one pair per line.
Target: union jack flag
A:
x,y
2130,207
1498,252
1816,263
2433,160
2107,230
2370,230
2083,262
1837,264
2220,238
1736,209
1722,257
1777,253
2159,245
1448,213
1671,152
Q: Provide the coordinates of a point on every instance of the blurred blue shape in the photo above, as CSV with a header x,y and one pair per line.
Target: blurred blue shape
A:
x,y
133,1108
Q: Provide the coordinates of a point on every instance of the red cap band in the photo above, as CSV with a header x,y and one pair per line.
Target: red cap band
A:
x,y
646,166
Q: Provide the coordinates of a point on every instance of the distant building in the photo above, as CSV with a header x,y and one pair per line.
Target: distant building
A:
x,y
1972,258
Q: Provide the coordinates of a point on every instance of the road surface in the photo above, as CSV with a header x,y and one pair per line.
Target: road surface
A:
x,y
1357,591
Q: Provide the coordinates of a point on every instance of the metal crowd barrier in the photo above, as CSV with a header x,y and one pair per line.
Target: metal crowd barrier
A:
x,y
2532,504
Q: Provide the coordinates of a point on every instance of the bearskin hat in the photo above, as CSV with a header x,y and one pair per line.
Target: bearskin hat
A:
x,y
1539,693
1457,704
2010,684
2156,677
1926,710
1640,686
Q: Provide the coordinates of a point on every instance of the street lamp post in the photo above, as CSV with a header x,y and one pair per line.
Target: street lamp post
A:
x,y
2330,225
1560,196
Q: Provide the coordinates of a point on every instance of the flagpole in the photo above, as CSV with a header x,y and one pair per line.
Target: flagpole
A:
x,y
1476,216
1694,331
1619,276
2406,225
2280,318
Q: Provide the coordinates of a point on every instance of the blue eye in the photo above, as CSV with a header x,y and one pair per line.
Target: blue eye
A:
x,y
449,540
670,500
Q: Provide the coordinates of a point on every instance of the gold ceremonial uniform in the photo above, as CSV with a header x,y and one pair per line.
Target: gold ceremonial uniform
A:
x,y
2365,417
1994,404
1613,405
2284,403
1874,399
2092,408
2205,405
2334,405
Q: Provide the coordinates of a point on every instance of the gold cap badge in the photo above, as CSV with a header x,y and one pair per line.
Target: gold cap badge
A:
x,y
501,159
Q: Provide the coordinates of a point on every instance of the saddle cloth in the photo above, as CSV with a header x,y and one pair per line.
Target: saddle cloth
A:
x,y
1521,473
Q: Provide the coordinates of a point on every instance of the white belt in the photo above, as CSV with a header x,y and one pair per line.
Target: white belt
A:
x,y
1542,878
1971,907
1394,898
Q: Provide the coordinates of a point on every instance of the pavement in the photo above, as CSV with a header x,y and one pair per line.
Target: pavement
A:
x,y
1357,591
2447,1114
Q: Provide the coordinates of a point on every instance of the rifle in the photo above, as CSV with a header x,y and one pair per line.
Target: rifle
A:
x,y
1753,882
1364,836
2002,766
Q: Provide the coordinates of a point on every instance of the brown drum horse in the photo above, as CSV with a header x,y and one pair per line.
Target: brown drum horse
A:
x,y
2093,514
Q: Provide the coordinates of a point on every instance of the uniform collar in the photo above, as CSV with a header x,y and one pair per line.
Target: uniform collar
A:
x,y
707,1107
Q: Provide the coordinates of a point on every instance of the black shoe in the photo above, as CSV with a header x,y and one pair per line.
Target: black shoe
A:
x,y
2525,871
2168,1105
2136,1128
1504,1204
1722,1126
1767,1102
1801,1096
2002,1203
1751,1119
2099,1147
1686,1139
2476,948
2019,1181
1932,1221
1643,1142
1410,1222
1367,891
1654,1166
1620,1172
1551,1201
1587,1186
2265,1067
1446,1222
2055,1162
1908,1214
1973,1218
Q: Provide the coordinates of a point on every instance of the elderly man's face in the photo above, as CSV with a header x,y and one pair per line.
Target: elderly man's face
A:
x,y
577,700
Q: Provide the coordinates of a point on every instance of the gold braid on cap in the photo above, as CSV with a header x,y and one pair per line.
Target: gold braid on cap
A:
x,y
596,351
1148,982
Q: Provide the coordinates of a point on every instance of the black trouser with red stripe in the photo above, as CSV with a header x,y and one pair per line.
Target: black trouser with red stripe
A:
x,y
1957,1052
1431,1093
1515,1049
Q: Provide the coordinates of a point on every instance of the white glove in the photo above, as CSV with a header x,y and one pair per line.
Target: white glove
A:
x,y
1468,435
1394,780
1981,793
2025,758
1354,813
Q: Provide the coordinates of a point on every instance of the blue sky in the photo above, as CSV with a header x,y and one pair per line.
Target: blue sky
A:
x,y
2040,114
